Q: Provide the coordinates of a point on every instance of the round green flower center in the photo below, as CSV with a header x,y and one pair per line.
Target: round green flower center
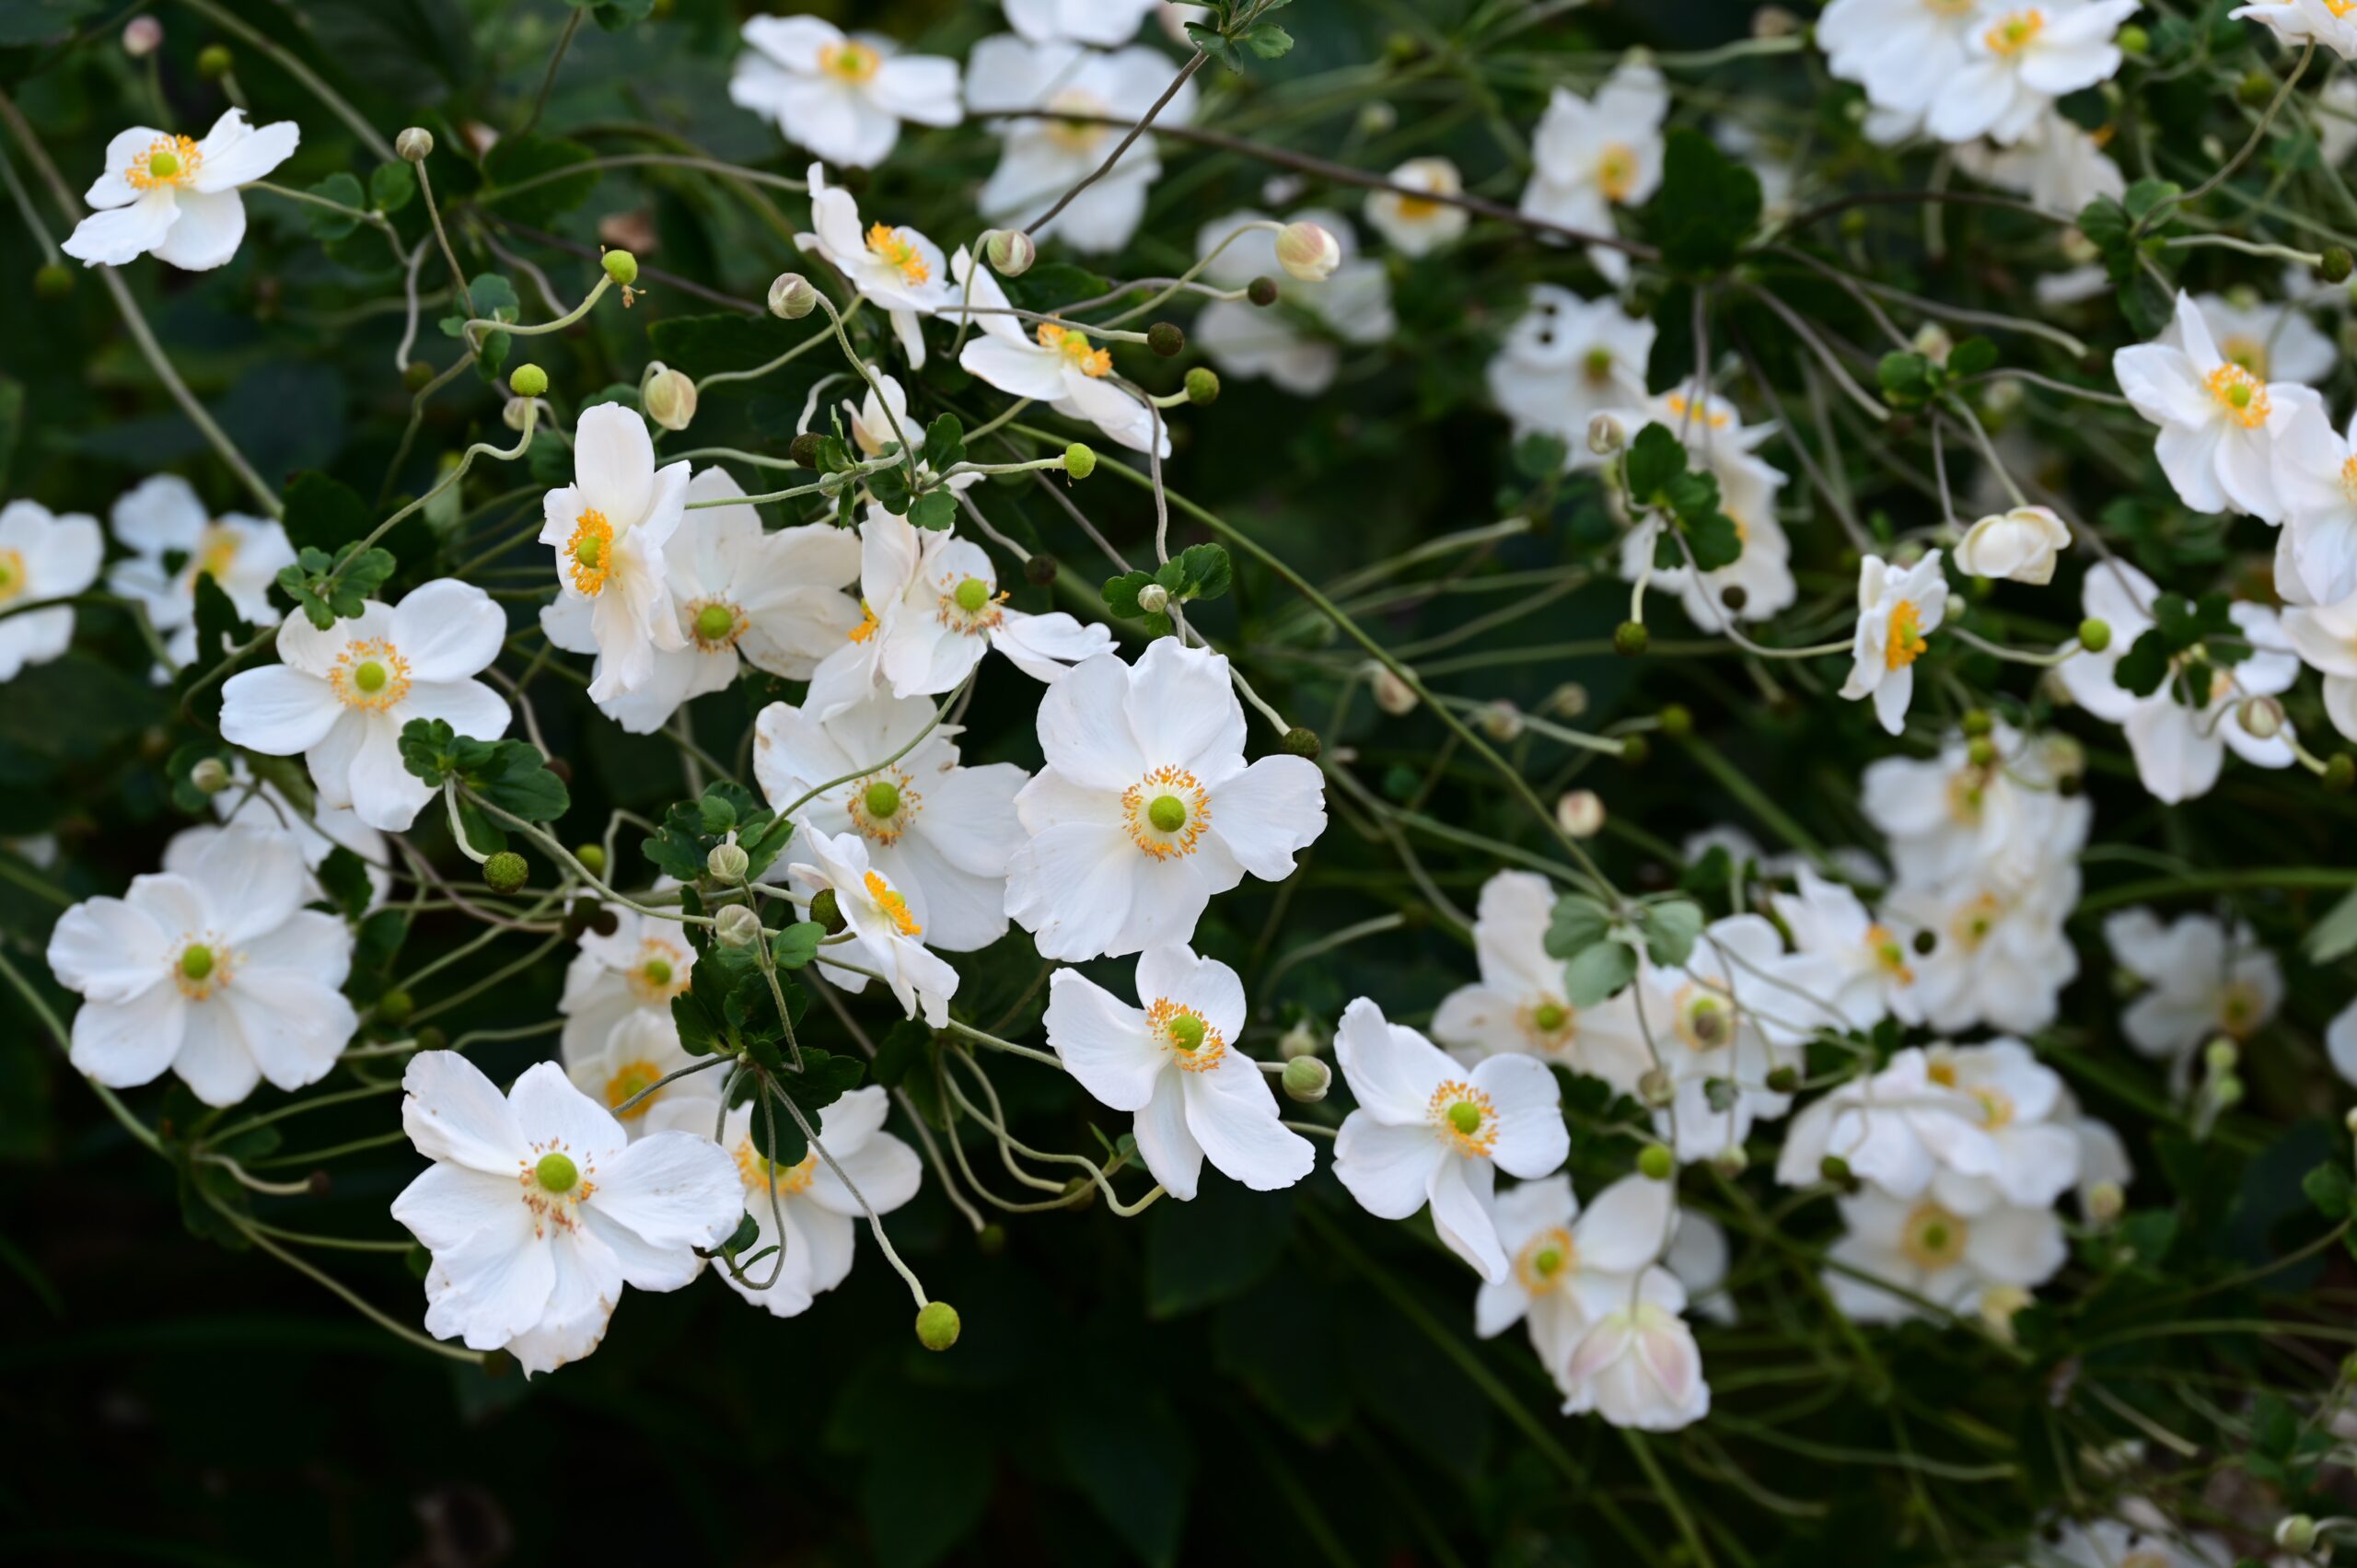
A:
x,y
658,972
556,1173
1599,363
7,577
1546,1261
1465,1117
2240,396
1167,813
196,962
1186,1031
370,677
1710,1024
163,165
972,594
590,551
713,621
1550,1016
1934,1237
882,799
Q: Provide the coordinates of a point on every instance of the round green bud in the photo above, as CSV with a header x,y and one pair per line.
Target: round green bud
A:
x,y
1977,722
805,449
1261,292
1730,1161
1202,385
1981,751
2297,1532
430,1038
1634,750
2340,772
972,594
54,281
2335,264
196,960
592,858
1011,252
1039,571
505,872
792,297
556,1173
1300,742
1305,1080
1079,461
1655,1163
1629,638
414,144
991,1240
2220,1054
1464,1116
417,375
527,382
395,1007
2255,89
1677,721
2095,635
2133,40
827,911
1783,1080
209,776
620,266
1167,812
937,1325
214,60
1165,339
2226,1090
881,799
727,862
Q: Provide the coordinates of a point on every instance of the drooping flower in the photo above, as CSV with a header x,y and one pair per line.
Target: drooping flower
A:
x,y
636,1054
1429,1132
1937,1255
2326,638
844,97
1898,611
1638,1365
1146,806
634,969
2019,545
738,594
1519,1006
1420,224
1590,157
1101,22
1567,360
610,529
930,824
215,972
340,696
895,268
1173,1061
1571,1268
2219,421
176,197
886,924
2301,22
42,556
162,517
538,1208
2203,978
1057,364
1079,97
2016,62
1297,342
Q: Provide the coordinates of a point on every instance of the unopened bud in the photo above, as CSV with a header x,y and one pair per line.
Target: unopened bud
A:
x,y
395,1007
2226,1091
1393,695
792,297
805,448
214,60
937,1325
1261,292
1154,598
527,382
2104,1202
1299,1041
1202,385
738,925
727,862
1579,813
2095,635
2340,772
1568,700
1501,721
827,909
415,145
1656,1087
1834,1169
1308,251
1306,1079
142,36
1010,252
2335,264
1730,1161
1655,1163
668,397
2262,717
210,776
506,872
2221,1055
1931,340
52,280
1301,742
1629,638
2133,40
592,858
1606,434
2297,1532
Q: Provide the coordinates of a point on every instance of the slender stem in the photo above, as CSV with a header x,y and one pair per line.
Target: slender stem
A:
x,y
1186,72
547,81
294,67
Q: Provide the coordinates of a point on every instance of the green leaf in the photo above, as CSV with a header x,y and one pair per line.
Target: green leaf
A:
x,y
1906,379
344,877
1655,457
1708,204
934,511
902,1052
537,164
341,188
1207,569
794,946
2335,936
2144,666
699,1032
1267,41
1135,1472
392,186
1716,541
1599,972
1973,356
1670,929
945,444
1539,456
2146,194
1577,924
2329,1188
518,781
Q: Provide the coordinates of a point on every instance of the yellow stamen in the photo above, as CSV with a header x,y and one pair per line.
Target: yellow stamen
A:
x,y
2241,394
895,907
887,244
660,973
759,1173
1465,1116
2015,31
1177,1025
631,1079
849,61
1546,1260
864,795
1904,643
590,553
369,673
1615,172
867,623
1141,801
1933,1238
169,160
12,575
1073,343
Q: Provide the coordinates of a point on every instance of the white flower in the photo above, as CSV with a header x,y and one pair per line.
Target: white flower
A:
x,y
1697,1258
880,422
932,606
2219,421
1854,965
537,1208
843,97
2019,545
1567,360
1639,1366
736,593
42,556
2316,478
2326,637
610,529
2058,165
634,971
930,824
324,830
2179,750
884,923
1147,808
215,972
2204,980
819,1211
1294,342
1044,156
1589,157
897,269
1170,1062
2273,339
177,197
1570,1268
1427,1131
636,1054
2305,21
1758,581
1518,1007
2018,63
1949,820
162,517
1948,1258
1998,955
1054,364
1901,51
340,696
1104,22
1418,225
1897,613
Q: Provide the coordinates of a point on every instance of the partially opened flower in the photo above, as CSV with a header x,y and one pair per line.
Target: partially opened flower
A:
x,y
1055,363
1147,808
1420,224
42,556
1080,97
637,1055
2219,421
1572,1268
1101,22
2203,978
886,923
1590,157
1898,611
635,968
610,529
1638,1365
738,594
1936,1255
929,824
2020,61
842,96
174,541
215,972
176,197
1567,360
340,696
1430,1131
2019,545
895,268
538,1208
1297,343
1173,1061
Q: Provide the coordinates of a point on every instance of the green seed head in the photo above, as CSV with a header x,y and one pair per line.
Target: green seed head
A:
x,y
937,1325
1080,460
1465,1117
882,799
1187,1031
527,382
505,872
592,858
369,677
972,594
1167,813
714,623
590,551
1550,1016
163,165
196,961
620,266
556,1173
658,972
2095,635
1202,385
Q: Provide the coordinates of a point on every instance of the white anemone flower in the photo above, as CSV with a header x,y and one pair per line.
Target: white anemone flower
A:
x,y
340,696
2019,545
636,969
215,972
1565,361
1147,808
1054,364
2302,22
1429,1132
819,1209
894,268
42,556
1950,819
1420,224
538,1208
1519,1007
1044,154
1998,955
2316,477
886,923
1571,1268
635,1055
880,422
320,832
1638,1365
2203,978
1757,584
1854,963
162,518
1101,22
739,594
2272,338
844,97
1898,611
1937,1255
1297,343
176,197
1590,157
610,529
2219,421
2058,165
1195,1094
2326,638
1900,52
930,824
2021,61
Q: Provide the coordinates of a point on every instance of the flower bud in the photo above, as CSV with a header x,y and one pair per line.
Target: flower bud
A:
x,y
210,776
2133,40
1635,749
1299,1041
1774,22
527,382
2226,1091
1393,695
1606,434
2104,1202
142,36
1080,460
937,1325
2221,1055
54,280
2297,1532
1010,252
1629,638
395,1007
1154,598
1568,700
1579,813
430,1038
505,872
214,60
1301,742
1782,1080
1501,721
1931,340
2095,635
415,145
736,925
2340,772
620,266
1730,1161
416,376
728,862
1656,1087
804,449
1306,1079
516,414
1202,385
1981,751
1655,1163
1261,292
592,858
1308,251
668,397
2262,717
1165,339
827,911
792,297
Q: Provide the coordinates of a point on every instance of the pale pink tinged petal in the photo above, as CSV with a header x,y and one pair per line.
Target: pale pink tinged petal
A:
x,y
108,950
1532,1139
131,1041
206,233
1166,1144
1117,413
1269,813
1459,1191
277,709
1085,728
123,235
448,1204
1105,1044
674,1190
1388,1169
1234,1115
452,1112
1072,888
448,630
547,1107
614,463
1391,1069
214,1060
